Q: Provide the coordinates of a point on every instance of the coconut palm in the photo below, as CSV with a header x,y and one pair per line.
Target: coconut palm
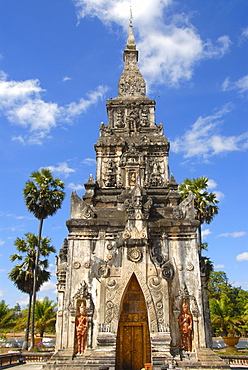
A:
x,y
45,315
204,202
43,197
23,273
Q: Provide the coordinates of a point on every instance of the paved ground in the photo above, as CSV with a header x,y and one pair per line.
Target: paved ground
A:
x,y
27,366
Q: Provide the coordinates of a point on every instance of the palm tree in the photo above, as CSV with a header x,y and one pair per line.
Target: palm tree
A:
x,y
6,315
204,202
23,273
223,314
45,315
43,197
205,209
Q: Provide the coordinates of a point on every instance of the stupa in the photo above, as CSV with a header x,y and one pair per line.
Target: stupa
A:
x,y
130,292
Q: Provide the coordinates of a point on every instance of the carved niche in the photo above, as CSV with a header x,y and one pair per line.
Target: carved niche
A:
x,y
84,296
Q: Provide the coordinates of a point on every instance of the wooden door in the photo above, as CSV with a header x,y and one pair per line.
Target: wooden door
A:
x,y
133,348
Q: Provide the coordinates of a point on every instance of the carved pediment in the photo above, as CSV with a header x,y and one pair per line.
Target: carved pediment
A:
x,y
79,208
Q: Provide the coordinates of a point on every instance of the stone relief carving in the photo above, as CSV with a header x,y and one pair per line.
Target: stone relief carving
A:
x,y
134,254
104,271
119,118
184,297
109,172
187,207
105,130
131,82
76,265
144,117
61,266
81,328
132,119
156,179
83,296
79,208
168,271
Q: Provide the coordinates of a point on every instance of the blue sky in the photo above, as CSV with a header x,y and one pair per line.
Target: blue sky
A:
x,y
59,62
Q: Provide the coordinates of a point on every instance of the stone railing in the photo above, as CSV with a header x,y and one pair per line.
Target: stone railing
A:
x,y
14,358
235,359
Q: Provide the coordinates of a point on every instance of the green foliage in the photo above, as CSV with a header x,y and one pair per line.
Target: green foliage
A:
x,y
45,315
217,284
204,202
228,304
6,316
43,196
223,315
22,273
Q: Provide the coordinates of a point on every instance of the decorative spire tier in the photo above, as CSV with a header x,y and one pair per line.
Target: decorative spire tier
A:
x,y
132,149
131,82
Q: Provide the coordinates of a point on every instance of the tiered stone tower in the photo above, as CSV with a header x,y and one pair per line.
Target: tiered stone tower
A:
x,y
131,259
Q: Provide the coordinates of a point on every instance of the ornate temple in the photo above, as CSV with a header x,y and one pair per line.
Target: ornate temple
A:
x,y
130,291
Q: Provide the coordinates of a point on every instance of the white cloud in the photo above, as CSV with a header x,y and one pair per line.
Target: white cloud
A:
x,y
62,168
241,85
2,242
202,140
219,266
211,184
21,102
75,187
66,79
235,234
169,51
243,284
23,300
205,233
89,161
219,194
219,50
1,293
243,36
242,256
48,286
73,109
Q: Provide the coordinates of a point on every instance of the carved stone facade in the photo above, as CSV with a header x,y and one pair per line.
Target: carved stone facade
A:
x,y
130,223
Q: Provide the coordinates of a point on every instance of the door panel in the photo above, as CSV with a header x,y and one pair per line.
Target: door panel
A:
x,y
133,348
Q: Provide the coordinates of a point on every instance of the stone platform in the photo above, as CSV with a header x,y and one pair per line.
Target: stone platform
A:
x,y
202,359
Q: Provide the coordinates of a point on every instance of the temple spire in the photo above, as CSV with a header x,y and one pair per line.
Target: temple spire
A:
x,y
130,41
131,82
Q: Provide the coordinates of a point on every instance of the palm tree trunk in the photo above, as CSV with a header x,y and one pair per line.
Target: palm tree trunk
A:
x,y
25,343
35,283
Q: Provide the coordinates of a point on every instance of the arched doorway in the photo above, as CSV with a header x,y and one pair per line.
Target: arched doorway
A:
x,y
133,345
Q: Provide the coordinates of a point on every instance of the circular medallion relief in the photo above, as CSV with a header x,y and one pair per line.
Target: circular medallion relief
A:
x,y
104,271
134,254
112,283
190,266
76,265
109,256
109,246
